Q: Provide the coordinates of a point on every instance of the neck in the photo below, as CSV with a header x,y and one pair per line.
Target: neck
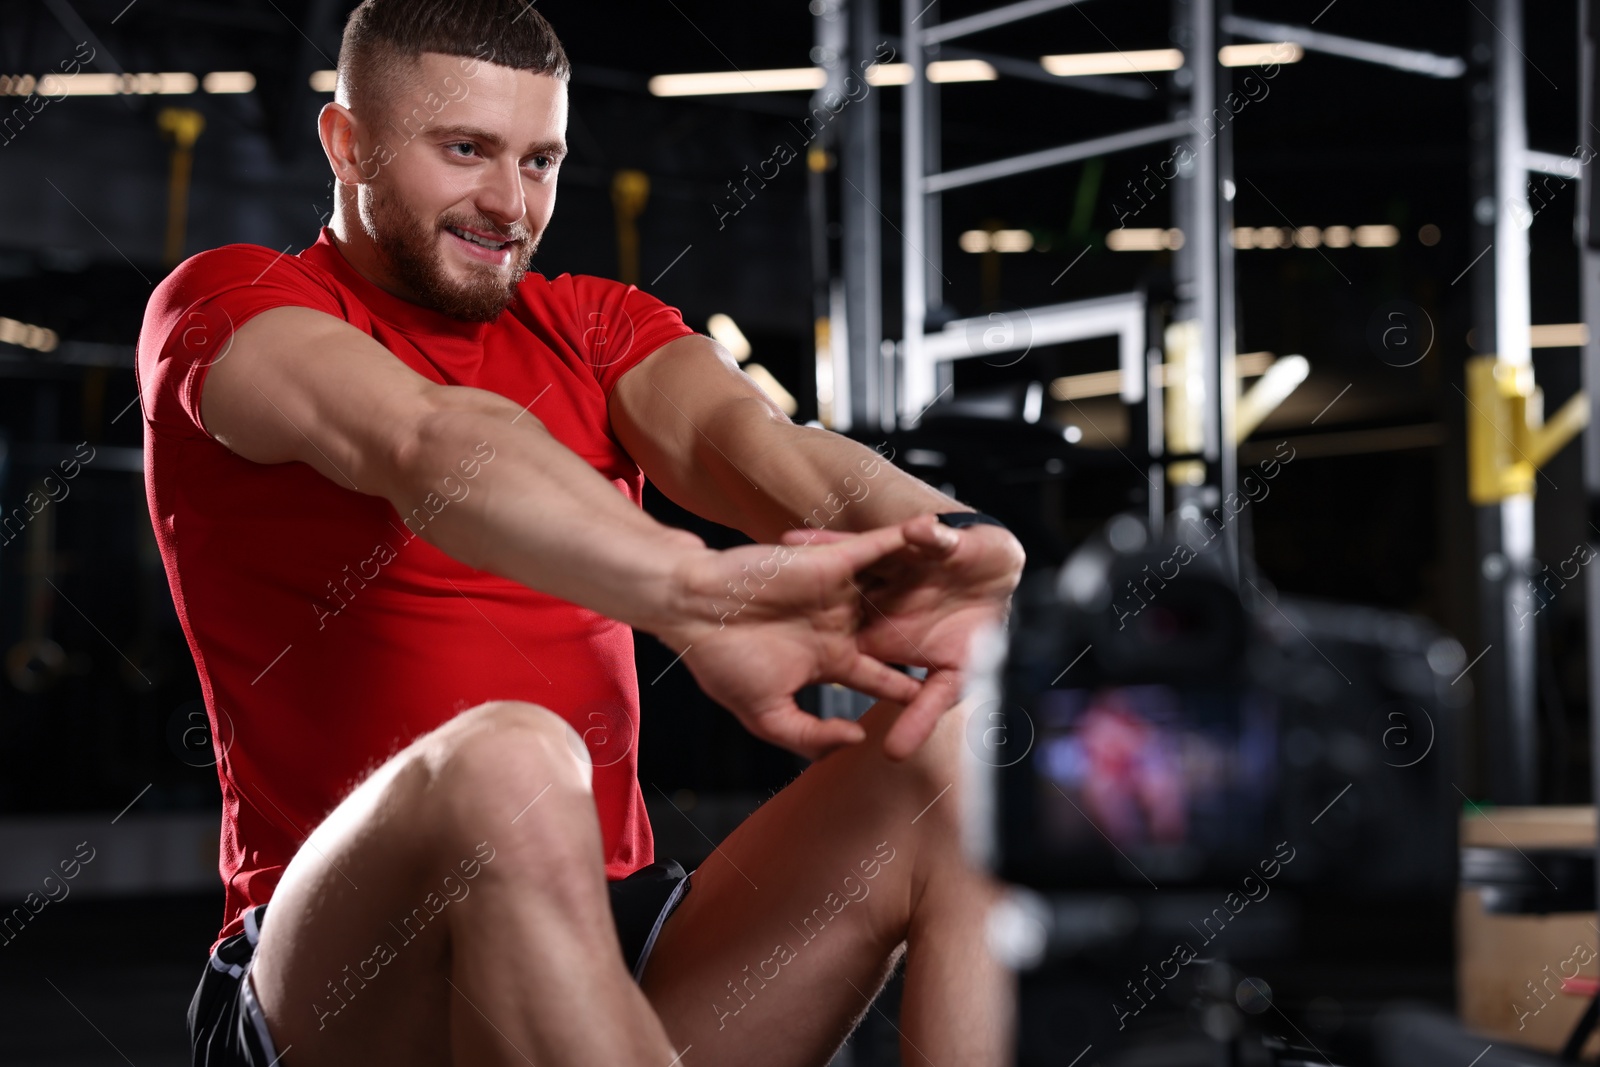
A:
x,y
357,248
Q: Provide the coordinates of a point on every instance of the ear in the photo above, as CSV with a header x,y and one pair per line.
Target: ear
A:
x,y
341,137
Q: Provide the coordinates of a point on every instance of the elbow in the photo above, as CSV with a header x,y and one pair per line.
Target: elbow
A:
x,y
439,459
451,437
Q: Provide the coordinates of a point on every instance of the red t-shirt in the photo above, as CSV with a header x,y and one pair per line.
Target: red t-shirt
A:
x,y
326,633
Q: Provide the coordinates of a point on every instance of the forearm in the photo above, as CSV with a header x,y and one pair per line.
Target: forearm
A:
x,y
506,497
796,476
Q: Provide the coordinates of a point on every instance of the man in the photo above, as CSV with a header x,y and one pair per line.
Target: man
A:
x,y
396,484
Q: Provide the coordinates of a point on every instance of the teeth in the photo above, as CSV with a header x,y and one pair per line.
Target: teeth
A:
x,y
475,239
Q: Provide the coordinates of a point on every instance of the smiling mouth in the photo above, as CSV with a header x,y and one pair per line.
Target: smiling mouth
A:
x,y
481,242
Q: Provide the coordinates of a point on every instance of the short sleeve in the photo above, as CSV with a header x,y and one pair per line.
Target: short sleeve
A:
x,y
192,315
617,325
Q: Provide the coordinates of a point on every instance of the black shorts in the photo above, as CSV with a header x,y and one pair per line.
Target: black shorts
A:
x,y
228,1029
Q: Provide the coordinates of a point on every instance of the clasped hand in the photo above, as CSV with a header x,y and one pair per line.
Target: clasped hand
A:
x,y
762,621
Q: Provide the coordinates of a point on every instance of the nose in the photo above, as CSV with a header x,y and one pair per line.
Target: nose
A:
x,y
500,195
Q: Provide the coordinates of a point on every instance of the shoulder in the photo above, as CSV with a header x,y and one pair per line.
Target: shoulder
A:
x,y
223,263
234,266
229,284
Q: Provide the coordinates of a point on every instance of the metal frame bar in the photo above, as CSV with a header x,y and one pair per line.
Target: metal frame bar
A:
x,y
1032,70
1514,709
1411,60
1203,44
1053,157
1122,317
917,377
1550,163
1588,234
861,243
1501,327
987,20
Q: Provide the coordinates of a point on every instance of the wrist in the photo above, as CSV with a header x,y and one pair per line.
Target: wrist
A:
x,y
676,603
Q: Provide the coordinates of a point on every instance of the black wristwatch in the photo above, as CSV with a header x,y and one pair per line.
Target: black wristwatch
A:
x,y
959,519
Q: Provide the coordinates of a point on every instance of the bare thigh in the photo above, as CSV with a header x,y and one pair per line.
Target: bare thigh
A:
x,y
354,960
795,921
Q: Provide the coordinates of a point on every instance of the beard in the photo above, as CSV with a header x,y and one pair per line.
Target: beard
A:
x,y
409,247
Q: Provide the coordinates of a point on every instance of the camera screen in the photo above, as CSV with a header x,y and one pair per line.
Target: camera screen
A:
x,y
1162,780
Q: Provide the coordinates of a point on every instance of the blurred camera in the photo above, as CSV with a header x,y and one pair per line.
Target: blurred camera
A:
x,y
1142,725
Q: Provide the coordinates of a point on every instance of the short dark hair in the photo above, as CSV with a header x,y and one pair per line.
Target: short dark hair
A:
x,y
384,38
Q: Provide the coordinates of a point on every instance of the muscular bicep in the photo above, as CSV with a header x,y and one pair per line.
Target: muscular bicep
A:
x,y
682,413
294,383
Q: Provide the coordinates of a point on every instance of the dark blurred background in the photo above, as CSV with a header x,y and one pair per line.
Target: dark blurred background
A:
x,y
110,743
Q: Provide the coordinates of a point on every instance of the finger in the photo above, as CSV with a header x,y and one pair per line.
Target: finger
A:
x,y
931,535
916,723
809,536
877,679
805,734
862,550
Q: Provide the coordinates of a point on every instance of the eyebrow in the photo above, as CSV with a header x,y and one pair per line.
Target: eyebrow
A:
x,y
489,137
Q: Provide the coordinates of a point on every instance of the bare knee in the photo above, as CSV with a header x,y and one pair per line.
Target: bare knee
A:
x,y
937,763
927,794
516,728
505,764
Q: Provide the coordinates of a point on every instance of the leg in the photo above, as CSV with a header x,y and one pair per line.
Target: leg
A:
x,y
353,965
795,922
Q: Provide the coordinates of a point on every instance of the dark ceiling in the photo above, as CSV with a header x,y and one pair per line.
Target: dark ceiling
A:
x,y
1334,142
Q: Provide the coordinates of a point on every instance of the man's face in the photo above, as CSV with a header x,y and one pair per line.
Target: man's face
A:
x,y
476,153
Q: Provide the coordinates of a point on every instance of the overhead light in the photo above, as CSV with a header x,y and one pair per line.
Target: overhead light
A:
x,y
1248,236
738,81
1376,236
27,335
772,387
1259,55
1559,335
228,81
940,71
795,79
724,329
1336,237
1154,240
1074,65
1011,241
1276,237
1144,240
166,84
996,241
324,81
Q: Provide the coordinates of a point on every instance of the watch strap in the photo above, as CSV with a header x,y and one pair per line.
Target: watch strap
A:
x,y
958,519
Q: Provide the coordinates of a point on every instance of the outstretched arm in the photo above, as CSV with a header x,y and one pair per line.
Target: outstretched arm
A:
x,y
714,443
298,384
711,440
